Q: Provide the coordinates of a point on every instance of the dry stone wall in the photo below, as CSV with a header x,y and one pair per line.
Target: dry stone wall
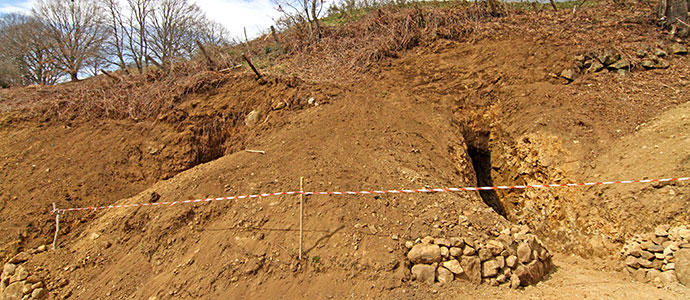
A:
x,y
17,283
515,258
661,257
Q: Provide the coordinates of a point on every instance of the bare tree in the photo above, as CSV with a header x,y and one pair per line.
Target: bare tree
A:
x,y
76,29
674,14
136,31
115,45
171,31
302,12
26,56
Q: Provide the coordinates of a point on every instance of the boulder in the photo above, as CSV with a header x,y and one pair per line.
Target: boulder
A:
x,y
490,268
424,254
444,275
454,266
682,265
424,273
570,74
524,253
473,268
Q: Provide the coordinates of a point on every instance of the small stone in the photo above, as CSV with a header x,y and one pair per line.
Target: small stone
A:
x,y
657,264
511,261
648,64
669,266
473,268
501,261
641,53
20,258
632,261
253,118
455,251
660,240
646,255
524,253
501,278
33,279
595,67
442,242
37,285
454,266
656,248
424,254
570,74
457,242
660,256
622,72
26,289
660,53
678,49
490,268
311,101
662,64
469,242
620,64
514,281
579,58
468,251
427,240
424,273
484,254
644,263
444,252
444,275
8,269
409,244
39,293
660,231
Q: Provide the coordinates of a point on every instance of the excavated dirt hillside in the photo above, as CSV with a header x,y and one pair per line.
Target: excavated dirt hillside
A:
x,y
491,111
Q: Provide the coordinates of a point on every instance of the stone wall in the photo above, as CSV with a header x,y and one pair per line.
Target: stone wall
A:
x,y
662,257
17,283
515,258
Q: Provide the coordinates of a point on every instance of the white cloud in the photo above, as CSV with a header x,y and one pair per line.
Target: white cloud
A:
x,y
19,6
255,15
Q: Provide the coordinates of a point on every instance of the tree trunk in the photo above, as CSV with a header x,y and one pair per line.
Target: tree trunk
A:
x,y
674,14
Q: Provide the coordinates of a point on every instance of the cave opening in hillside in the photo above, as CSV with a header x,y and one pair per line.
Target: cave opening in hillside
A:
x,y
480,154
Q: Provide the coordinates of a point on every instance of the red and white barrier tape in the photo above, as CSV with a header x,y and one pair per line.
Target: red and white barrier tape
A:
x,y
437,190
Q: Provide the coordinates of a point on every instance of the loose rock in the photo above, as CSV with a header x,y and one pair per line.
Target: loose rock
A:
x,y
453,265
511,261
253,118
570,74
524,253
678,49
490,268
444,275
424,254
20,258
473,268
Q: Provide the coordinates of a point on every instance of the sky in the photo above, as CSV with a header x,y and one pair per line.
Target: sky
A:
x,y
255,15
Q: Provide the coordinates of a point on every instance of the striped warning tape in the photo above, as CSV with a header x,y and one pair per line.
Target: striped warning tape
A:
x,y
436,190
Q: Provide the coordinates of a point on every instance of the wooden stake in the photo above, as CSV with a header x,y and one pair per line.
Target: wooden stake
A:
x,y
211,64
57,225
275,38
246,42
251,65
301,215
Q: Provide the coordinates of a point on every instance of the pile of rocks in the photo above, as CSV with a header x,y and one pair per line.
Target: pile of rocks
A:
x,y
662,257
17,283
513,259
651,58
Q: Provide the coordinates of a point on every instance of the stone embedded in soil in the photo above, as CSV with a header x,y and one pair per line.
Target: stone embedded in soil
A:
x,y
473,268
253,118
442,242
641,53
660,231
648,64
8,269
33,279
570,74
524,253
678,49
424,254
444,275
660,53
424,273
13,292
455,251
682,265
490,268
484,254
20,258
595,67
511,261
620,64
453,265
514,281
39,293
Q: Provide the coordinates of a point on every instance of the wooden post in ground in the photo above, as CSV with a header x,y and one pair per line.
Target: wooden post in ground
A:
x,y
249,61
301,215
275,38
211,64
246,42
57,225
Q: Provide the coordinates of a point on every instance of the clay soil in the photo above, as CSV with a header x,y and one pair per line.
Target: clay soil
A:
x,y
488,110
